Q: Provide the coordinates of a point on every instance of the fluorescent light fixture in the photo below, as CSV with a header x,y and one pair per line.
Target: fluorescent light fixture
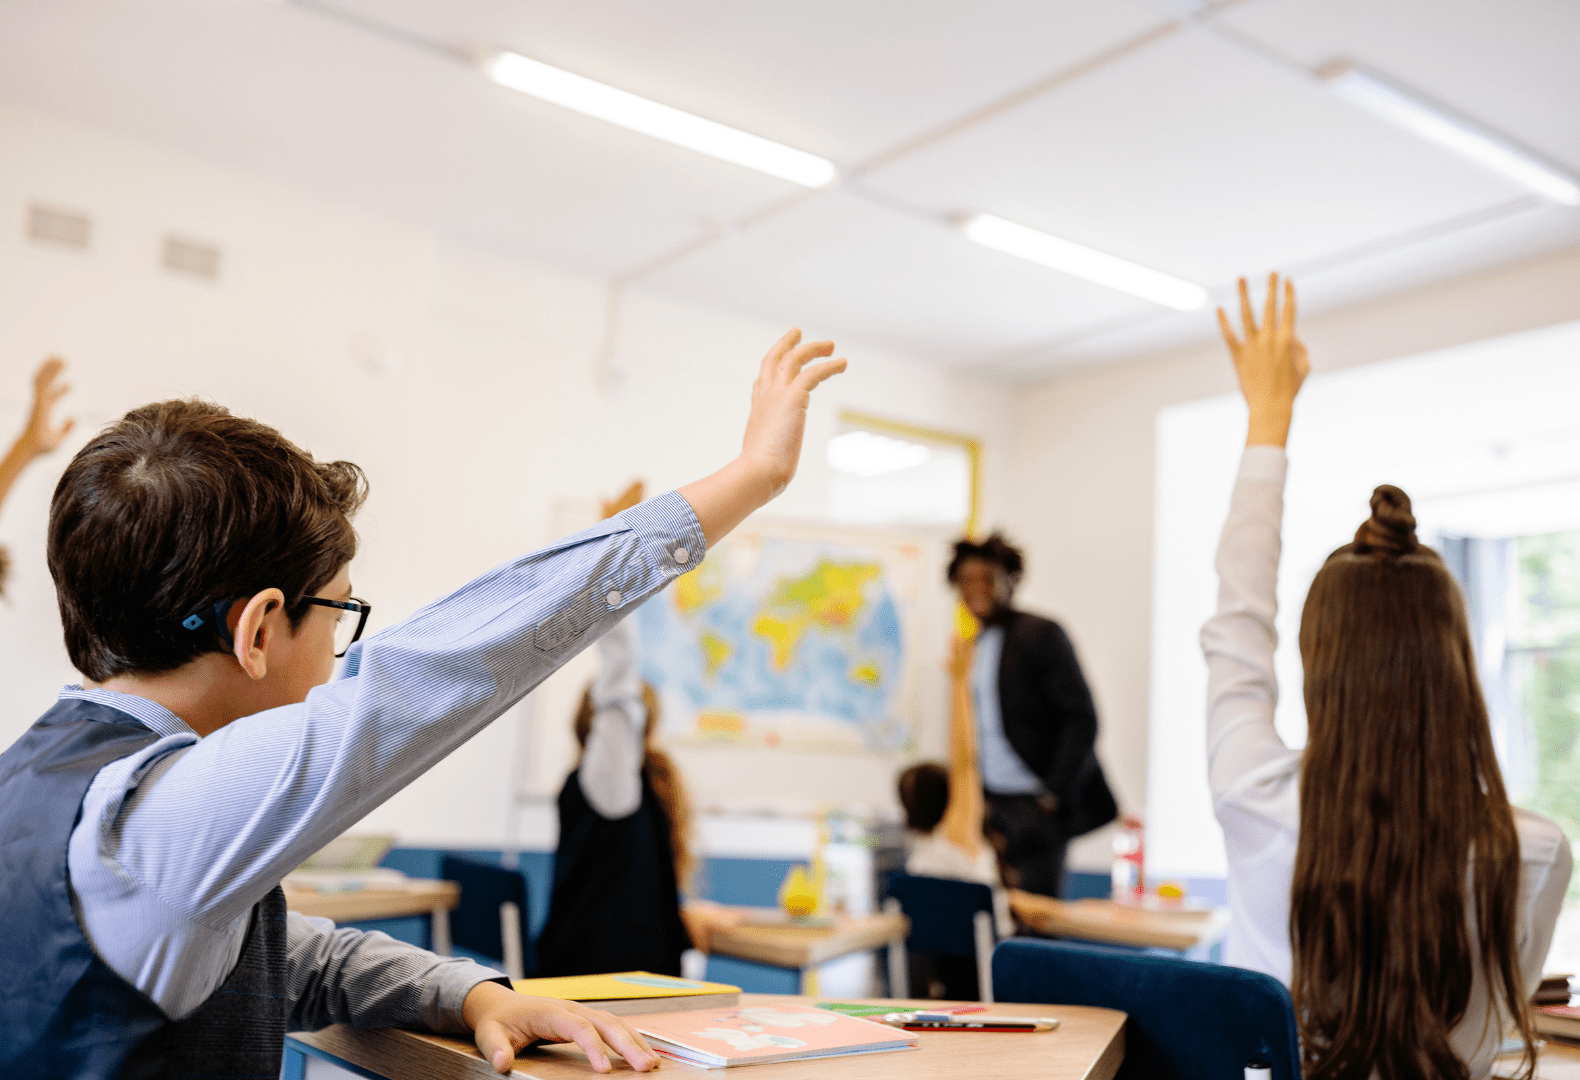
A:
x,y
1465,137
660,121
1084,262
864,453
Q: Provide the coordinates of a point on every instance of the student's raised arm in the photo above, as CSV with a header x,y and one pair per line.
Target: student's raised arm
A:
x,y
41,433
1239,640
772,446
610,773
962,823
177,842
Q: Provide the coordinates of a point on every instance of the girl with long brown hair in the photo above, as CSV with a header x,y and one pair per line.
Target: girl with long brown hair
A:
x,y
624,853
1380,872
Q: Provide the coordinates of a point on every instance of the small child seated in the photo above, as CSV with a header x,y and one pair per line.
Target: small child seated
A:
x,y
944,811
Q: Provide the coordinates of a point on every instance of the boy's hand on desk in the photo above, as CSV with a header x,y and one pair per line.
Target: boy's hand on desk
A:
x,y
504,1021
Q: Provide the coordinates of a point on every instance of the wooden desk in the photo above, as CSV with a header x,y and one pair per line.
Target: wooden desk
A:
x,y
1115,924
803,948
419,896
1088,1045
1554,1061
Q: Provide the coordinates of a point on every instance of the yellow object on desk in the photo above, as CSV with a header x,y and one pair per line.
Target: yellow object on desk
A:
x,y
631,992
797,895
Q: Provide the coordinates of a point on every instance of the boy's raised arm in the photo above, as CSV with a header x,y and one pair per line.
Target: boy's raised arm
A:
x,y
772,446
161,901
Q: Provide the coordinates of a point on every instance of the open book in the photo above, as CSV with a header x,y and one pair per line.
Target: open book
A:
x,y
760,1034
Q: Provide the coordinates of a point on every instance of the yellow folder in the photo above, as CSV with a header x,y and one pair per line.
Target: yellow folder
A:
x,y
623,985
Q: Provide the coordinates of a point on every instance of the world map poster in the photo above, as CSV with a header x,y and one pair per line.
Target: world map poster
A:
x,y
790,636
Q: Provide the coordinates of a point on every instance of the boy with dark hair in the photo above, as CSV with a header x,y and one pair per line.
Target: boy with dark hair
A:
x,y
202,566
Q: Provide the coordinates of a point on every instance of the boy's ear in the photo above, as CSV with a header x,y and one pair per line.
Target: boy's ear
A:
x,y
252,631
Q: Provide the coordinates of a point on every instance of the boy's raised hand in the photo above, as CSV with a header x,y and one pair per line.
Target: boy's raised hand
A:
x,y
1271,362
503,1021
780,397
772,446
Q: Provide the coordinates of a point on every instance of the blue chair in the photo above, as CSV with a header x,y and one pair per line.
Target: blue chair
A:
x,y
1188,1020
491,919
949,919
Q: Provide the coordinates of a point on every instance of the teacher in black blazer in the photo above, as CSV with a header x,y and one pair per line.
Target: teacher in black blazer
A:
x,y
1036,724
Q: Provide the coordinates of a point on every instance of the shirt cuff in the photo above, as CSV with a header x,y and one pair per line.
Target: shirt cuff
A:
x,y
447,989
1265,463
670,531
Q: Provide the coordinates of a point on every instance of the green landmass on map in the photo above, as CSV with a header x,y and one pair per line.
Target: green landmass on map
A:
x,y
830,597
716,650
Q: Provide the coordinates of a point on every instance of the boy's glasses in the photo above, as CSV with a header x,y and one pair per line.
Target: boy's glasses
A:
x,y
347,630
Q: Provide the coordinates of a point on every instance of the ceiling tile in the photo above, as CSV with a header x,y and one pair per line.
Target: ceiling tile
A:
x,y
843,266
1511,64
1199,159
840,79
275,90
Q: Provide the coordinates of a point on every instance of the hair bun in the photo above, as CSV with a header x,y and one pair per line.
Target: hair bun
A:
x,y
1391,528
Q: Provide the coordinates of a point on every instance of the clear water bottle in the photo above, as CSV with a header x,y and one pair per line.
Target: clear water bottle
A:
x,y
1129,882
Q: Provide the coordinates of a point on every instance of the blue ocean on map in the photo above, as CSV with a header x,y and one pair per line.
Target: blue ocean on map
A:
x,y
758,637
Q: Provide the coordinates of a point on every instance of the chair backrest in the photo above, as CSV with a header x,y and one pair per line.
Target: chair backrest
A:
x,y
942,912
1189,1020
485,887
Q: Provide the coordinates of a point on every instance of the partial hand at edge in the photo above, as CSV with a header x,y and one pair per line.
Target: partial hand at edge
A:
x,y
40,436
774,430
1271,363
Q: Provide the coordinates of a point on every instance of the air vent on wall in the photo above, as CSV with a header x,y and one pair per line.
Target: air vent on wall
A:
x,y
61,228
191,257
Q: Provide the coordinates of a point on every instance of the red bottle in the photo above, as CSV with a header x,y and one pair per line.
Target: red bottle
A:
x,y
1129,861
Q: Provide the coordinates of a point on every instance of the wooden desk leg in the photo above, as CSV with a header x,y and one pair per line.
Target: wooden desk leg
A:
x,y
439,930
809,981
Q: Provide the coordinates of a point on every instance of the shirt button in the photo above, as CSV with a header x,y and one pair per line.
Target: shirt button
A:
x,y
614,598
682,556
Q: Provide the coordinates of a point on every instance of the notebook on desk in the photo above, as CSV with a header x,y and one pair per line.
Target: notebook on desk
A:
x,y
628,992
760,1035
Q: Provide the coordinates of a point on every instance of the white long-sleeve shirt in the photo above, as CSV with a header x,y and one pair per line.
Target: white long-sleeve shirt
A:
x,y
1255,778
610,773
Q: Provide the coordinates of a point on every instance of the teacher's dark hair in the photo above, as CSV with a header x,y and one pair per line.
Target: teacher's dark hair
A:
x,y
179,506
995,549
1400,795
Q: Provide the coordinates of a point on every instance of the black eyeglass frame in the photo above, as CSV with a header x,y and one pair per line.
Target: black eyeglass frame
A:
x,y
361,607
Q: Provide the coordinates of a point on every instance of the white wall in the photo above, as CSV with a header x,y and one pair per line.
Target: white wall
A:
x,y
464,382
1084,464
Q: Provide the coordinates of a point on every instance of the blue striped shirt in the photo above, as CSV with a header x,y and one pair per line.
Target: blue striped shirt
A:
x,y
177,842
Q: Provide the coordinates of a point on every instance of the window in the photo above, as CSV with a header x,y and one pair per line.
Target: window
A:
x,y
889,473
1523,596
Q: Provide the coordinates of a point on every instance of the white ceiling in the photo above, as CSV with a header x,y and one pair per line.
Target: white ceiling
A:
x,y
1193,142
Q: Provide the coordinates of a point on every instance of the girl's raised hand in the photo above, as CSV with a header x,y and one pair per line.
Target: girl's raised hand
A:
x,y
1271,362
